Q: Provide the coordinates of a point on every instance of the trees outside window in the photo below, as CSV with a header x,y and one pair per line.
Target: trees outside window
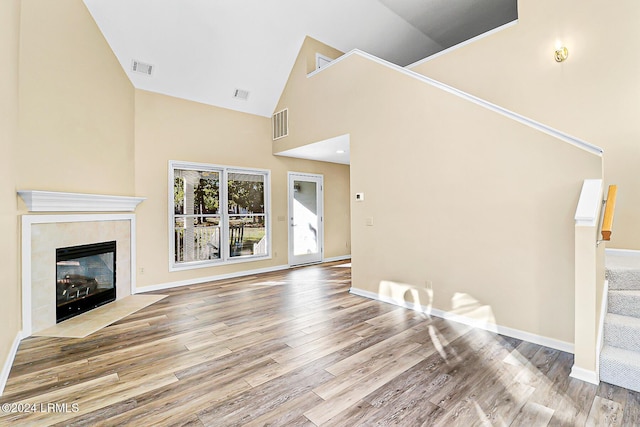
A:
x,y
218,214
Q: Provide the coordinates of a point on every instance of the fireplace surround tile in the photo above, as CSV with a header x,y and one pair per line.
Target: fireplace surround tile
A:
x,y
46,234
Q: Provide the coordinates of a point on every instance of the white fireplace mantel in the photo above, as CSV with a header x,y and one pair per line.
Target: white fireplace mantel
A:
x,y
52,201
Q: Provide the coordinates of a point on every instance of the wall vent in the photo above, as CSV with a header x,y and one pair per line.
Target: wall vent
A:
x,y
280,123
141,67
241,94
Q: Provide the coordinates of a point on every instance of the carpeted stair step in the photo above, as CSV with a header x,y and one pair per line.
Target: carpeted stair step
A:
x,y
620,367
622,331
625,303
623,271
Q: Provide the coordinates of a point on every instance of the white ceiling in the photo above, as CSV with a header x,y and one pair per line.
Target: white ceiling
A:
x,y
203,50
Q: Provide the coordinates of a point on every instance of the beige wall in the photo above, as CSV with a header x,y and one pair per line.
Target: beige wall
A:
x,y
76,104
593,95
472,202
66,121
9,283
172,129
302,129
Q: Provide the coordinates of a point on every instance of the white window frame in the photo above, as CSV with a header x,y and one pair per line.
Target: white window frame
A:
x,y
225,256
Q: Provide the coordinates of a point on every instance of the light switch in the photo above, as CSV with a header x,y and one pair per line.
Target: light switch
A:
x,y
359,197
369,220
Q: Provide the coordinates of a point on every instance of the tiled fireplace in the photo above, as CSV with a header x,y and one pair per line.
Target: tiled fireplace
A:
x,y
43,236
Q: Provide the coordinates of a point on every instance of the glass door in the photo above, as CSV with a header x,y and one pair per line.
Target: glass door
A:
x,y
305,218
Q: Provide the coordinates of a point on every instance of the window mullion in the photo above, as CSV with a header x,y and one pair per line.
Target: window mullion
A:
x,y
224,214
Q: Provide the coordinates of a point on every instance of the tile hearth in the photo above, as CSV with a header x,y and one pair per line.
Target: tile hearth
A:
x,y
92,321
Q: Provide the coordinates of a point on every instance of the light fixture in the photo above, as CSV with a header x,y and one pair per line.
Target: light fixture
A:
x,y
339,151
561,54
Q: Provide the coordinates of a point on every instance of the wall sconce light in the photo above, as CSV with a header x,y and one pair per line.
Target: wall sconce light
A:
x,y
561,54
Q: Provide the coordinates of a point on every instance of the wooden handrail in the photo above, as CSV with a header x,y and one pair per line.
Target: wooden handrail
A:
x,y
607,222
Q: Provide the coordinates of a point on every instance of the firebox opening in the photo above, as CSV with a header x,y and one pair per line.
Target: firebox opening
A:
x,y
85,278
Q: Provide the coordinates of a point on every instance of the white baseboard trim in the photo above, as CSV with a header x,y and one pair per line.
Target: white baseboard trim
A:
x,y
6,367
337,258
622,252
198,280
491,327
584,375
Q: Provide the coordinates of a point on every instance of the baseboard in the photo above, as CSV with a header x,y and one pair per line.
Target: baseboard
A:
x,y
584,375
8,363
198,280
622,252
491,327
337,258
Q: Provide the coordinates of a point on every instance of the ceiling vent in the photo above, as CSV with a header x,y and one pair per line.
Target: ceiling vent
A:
x,y
280,124
241,94
141,67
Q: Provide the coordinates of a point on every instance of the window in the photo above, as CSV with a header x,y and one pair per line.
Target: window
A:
x,y
218,214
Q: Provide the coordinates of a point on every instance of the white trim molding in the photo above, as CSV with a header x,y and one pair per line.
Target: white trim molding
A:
x,y
584,375
53,201
199,280
337,258
6,367
589,203
498,329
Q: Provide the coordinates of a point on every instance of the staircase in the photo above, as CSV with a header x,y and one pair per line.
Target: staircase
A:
x,y
620,356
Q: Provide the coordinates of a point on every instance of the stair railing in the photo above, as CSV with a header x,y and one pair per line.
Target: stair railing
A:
x,y
610,207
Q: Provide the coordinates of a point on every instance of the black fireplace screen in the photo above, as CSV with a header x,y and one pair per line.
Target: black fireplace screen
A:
x,y
85,278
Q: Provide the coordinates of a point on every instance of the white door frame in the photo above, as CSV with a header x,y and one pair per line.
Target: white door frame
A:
x,y
319,179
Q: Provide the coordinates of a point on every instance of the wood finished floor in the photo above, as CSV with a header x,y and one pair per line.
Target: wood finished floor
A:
x,y
295,348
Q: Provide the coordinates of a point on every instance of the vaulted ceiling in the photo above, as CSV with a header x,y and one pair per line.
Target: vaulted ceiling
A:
x,y
204,50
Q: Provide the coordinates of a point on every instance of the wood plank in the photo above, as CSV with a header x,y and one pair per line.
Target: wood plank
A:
x,y
287,413
253,350
604,412
631,409
353,376
533,414
342,401
375,351
572,405
336,344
